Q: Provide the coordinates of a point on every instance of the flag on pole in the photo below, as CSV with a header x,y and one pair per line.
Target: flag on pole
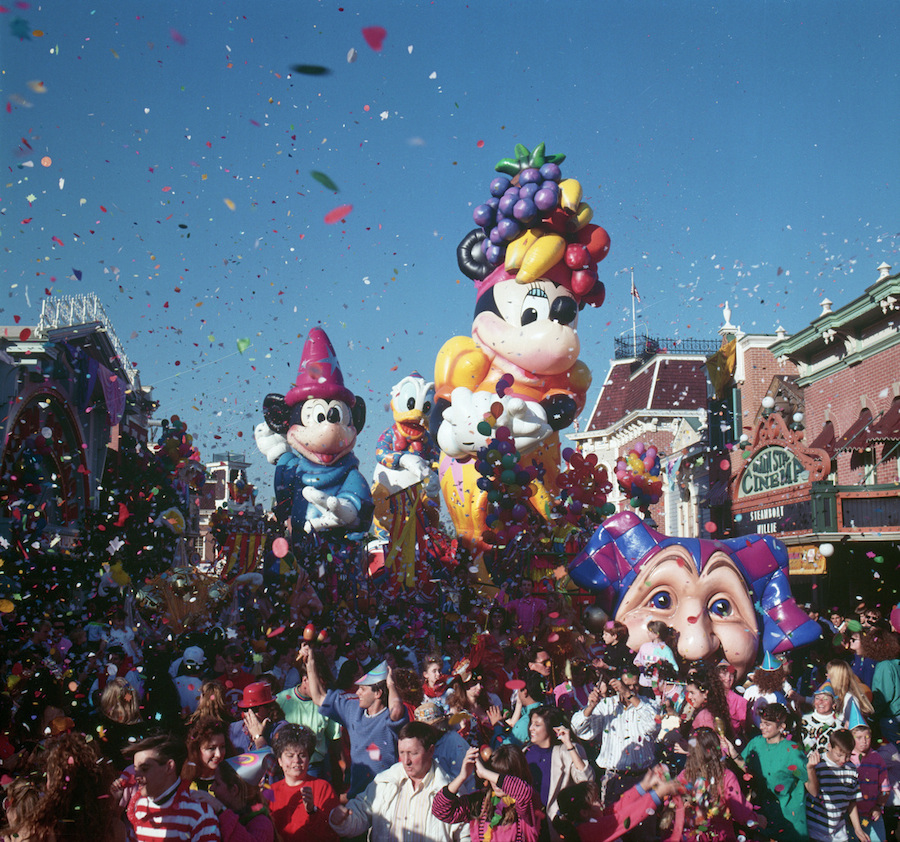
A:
x,y
634,291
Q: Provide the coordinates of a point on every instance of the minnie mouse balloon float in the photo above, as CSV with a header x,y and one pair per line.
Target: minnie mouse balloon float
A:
x,y
534,262
309,436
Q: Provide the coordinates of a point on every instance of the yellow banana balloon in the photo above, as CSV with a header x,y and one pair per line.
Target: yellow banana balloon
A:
x,y
544,254
583,216
516,250
570,194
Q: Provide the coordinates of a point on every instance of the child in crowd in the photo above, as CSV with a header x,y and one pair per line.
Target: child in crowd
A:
x,y
832,792
300,803
871,768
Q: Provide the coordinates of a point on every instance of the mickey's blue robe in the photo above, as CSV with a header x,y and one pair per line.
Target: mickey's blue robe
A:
x,y
339,479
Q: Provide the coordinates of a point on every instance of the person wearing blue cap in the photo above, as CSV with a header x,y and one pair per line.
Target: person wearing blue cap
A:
x,y
373,718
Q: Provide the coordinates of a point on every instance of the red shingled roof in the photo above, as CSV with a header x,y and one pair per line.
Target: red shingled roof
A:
x,y
679,385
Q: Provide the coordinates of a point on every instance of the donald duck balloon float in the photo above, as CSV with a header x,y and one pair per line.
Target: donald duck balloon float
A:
x,y
534,263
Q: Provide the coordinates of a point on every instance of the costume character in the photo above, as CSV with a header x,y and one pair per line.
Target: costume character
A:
x,y
405,453
520,366
309,436
712,593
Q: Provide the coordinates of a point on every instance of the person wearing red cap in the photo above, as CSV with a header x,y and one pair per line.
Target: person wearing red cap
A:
x,y
258,722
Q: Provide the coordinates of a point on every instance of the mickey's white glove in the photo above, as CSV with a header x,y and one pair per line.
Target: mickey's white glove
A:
x,y
272,445
334,512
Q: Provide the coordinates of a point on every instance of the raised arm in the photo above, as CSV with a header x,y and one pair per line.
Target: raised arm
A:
x,y
316,689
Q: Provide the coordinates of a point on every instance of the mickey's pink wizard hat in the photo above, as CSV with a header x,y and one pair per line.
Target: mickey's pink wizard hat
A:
x,y
319,374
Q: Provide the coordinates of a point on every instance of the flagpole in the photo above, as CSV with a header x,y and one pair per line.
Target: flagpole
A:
x,y
633,318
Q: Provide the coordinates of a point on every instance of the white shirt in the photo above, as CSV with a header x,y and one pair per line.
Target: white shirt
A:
x,y
627,735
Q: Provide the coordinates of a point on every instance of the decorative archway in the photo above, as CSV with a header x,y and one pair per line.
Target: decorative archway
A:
x,y
44,464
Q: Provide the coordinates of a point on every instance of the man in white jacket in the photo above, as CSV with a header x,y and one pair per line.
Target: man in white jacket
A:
x,y
397,804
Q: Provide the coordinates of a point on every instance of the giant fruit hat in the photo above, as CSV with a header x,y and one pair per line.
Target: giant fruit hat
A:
x,y
319,374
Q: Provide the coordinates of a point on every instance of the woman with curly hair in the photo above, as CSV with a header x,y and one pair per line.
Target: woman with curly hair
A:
x,y
21,800
883,647
769,685
76,806
212,705
711,801
207,747
119,721
846,687
708,703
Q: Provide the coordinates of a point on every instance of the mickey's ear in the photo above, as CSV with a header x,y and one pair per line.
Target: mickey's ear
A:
x,y
277,413
358,413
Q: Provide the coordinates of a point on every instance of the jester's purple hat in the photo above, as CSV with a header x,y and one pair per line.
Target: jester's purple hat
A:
x,y
613,557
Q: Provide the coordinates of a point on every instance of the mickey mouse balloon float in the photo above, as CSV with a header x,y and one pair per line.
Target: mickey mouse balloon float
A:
x,y
309,435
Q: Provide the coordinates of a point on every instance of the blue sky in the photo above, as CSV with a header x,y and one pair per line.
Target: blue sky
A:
x,y
739,151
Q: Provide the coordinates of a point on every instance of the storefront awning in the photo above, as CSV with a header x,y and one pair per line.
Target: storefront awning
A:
x,y
887,428
825,439
857,437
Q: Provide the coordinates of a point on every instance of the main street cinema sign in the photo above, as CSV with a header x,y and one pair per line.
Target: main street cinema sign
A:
x,y
772,468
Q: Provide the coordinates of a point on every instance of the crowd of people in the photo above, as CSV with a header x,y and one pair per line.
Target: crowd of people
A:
x,y
518,716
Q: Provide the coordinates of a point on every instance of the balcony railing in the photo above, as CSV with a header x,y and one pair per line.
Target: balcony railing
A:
x,y
644,347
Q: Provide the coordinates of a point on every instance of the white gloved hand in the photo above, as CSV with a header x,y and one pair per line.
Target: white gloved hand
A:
x,y
334,511
527,421
458,435
416,465
272,445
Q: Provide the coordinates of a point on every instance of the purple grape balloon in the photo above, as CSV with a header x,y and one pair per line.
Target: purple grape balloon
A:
x,y
545,199
499,186
525,211
527,191
551,172
509,229
484,215
529,176
494,255
507,203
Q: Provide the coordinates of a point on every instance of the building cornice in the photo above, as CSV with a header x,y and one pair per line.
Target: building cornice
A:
x,y
876,304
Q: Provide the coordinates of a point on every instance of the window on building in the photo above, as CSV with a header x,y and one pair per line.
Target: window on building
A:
x,y
864,463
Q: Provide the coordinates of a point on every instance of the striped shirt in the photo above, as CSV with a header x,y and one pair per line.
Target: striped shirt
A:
x,y
826,814
180,817
626,735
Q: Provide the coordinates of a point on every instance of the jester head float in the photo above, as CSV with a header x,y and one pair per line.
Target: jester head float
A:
x,y
722,598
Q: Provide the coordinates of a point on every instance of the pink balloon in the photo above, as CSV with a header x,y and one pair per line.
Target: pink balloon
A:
x,y
280,547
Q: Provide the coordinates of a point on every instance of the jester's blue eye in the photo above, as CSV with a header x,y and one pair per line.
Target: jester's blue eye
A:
x,y
662,600
721,607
